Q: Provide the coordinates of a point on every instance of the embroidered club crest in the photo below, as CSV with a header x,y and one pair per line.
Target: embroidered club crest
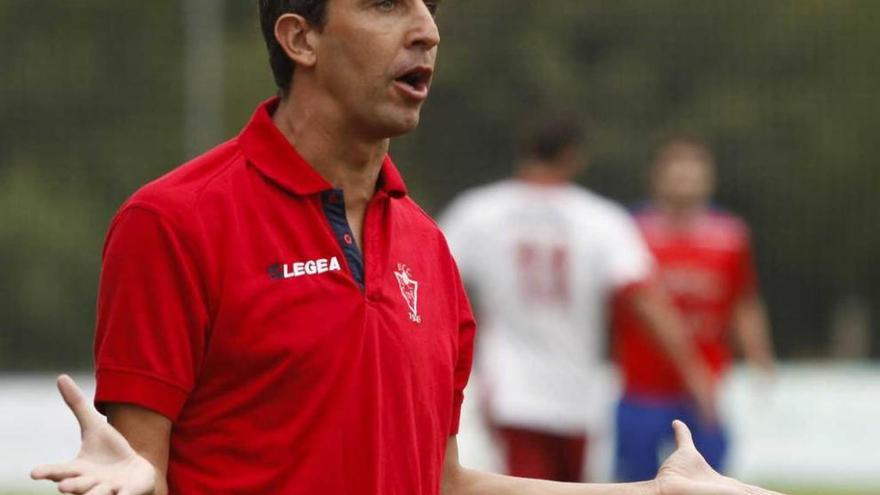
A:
x,y
409,289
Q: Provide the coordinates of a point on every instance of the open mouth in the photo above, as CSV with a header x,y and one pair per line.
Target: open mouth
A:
x,y
416,81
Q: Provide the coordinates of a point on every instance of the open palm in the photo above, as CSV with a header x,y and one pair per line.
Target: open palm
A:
x,y
106,464
687,473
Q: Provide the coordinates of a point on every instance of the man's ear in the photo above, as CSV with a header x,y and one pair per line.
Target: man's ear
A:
x,y
295,35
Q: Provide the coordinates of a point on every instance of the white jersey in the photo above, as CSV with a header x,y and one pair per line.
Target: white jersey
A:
x,y
540,263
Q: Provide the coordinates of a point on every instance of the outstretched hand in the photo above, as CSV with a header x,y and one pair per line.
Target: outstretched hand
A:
x,y
106,464
687,473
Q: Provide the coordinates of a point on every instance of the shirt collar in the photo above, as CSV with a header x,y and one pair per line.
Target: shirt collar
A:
x,y
273,155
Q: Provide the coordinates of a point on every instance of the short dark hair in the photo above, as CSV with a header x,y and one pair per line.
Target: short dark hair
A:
x,y
314,11
545,138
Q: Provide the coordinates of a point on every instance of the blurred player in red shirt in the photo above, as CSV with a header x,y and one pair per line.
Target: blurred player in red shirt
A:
x,y
704,263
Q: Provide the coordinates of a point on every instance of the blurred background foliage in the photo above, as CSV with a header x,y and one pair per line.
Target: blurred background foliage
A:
x,y
93,103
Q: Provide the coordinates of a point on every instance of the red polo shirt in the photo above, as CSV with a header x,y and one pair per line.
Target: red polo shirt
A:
x,y
235,301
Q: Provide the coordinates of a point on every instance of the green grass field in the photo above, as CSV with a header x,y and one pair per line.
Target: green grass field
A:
x,y
827,491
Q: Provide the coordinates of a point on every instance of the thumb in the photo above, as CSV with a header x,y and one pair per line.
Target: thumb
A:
x,y
77,402
683,438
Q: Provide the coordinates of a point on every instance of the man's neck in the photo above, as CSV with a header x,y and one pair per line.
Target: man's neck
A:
x,y
680,216
347,161
543,174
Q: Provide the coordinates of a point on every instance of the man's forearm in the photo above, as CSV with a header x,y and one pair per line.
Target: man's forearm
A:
x,y
161,484
473,482
148,433
685,472
667,326
668,329
753,332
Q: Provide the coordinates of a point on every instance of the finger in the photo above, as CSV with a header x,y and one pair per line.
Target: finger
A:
x,y
683,438
80,484
54,472
77,402
100,490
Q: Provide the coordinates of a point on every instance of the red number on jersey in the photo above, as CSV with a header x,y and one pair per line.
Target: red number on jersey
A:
x,y
543,273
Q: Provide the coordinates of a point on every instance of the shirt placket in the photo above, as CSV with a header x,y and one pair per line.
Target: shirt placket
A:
x,y
334,209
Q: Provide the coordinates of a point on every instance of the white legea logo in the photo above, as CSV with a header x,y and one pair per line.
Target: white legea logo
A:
x,y
304,268
409,289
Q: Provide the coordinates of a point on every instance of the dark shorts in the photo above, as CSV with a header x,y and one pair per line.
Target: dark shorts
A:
x,y
541,455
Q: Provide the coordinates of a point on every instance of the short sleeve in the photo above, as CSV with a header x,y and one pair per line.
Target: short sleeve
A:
x,y
152,315
629,262
464,356
745,278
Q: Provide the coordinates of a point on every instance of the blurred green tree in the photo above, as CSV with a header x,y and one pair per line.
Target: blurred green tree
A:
x,y
91,94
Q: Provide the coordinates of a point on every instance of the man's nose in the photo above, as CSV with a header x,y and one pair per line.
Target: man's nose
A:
x,y
424,32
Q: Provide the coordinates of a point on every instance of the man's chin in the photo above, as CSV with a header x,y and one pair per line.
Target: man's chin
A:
x,y
398,125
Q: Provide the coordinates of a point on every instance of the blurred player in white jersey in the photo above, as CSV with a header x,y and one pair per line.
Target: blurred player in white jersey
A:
x,y
542,258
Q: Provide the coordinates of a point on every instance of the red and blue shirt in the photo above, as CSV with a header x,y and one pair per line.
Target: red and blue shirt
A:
x,y
235,301
706,267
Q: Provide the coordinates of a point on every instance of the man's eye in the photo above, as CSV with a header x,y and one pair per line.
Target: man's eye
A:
x,y
386,5
432,6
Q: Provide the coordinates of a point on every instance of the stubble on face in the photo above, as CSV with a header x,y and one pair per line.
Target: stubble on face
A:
x,y
684,182
375,62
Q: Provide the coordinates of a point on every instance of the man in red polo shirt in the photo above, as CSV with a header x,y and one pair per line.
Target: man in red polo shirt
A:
x,y
278,316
